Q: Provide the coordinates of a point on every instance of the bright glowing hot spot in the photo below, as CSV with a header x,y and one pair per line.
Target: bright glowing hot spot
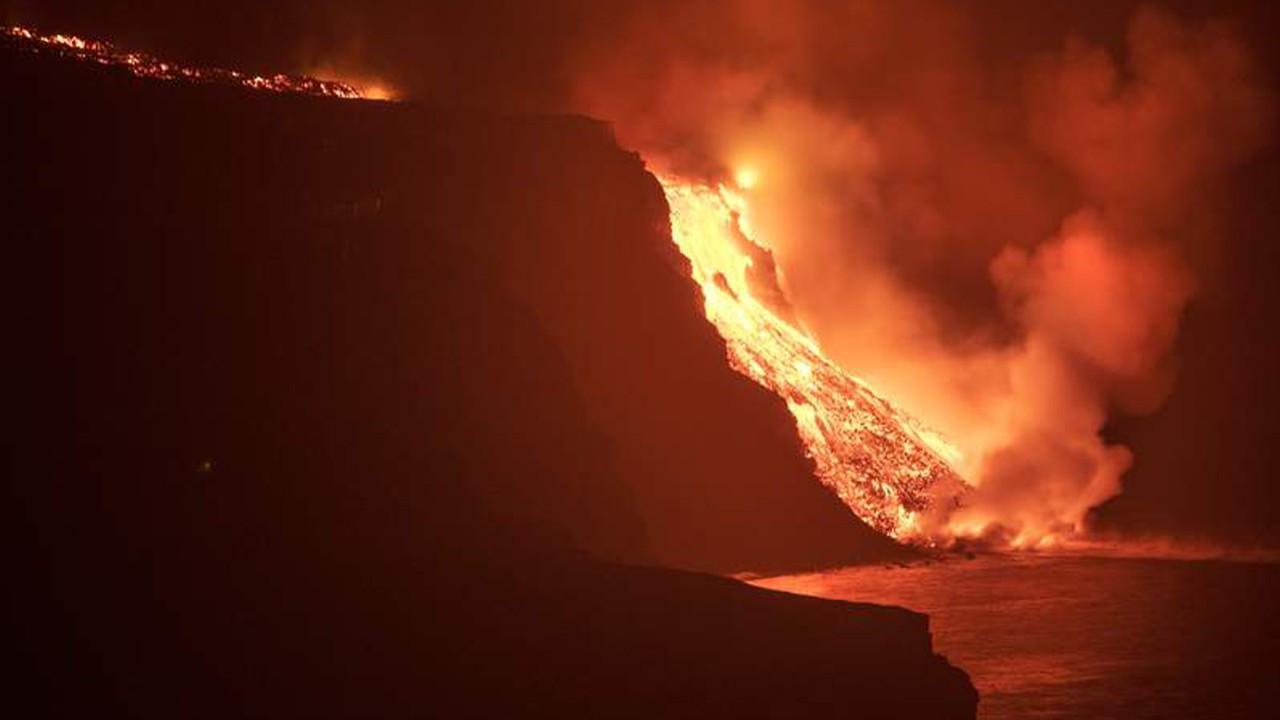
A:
x,y
891,471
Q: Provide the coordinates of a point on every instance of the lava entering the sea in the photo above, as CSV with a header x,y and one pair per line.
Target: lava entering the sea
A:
x,y
892,472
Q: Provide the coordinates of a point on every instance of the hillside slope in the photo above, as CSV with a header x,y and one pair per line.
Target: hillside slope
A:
x,y
322,403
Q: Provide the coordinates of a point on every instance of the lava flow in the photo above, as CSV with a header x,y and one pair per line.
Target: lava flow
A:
x,y
892,472
144,65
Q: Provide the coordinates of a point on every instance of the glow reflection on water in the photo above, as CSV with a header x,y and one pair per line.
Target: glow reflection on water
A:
x,y
1087,637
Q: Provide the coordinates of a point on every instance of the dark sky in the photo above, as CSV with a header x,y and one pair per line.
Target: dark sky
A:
x,y
1204,458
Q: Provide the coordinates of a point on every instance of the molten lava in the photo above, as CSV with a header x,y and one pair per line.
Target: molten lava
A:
x,y
890,470
144,65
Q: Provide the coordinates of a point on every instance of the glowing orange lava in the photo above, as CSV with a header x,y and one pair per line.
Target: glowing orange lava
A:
x,y
890,470
144,65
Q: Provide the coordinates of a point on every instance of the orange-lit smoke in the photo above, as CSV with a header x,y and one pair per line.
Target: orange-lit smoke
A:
x,y
1004,251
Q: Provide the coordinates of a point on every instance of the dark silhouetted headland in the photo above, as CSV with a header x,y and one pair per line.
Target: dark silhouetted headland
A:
x,y
356,409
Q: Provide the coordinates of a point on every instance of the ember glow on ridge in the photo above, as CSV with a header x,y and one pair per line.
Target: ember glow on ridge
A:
x,y
144,65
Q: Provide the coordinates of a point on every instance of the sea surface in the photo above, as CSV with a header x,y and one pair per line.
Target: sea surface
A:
x,y
1052,636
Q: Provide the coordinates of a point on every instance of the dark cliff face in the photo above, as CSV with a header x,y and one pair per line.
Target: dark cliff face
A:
x,y
320,402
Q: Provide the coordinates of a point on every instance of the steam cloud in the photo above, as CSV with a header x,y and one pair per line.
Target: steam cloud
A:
x,y
1000,239
1005,251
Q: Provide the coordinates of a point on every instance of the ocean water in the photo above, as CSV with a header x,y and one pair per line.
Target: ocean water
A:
x,y
1051,636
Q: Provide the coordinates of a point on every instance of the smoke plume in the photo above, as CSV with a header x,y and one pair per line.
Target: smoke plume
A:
x,y
1005,251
